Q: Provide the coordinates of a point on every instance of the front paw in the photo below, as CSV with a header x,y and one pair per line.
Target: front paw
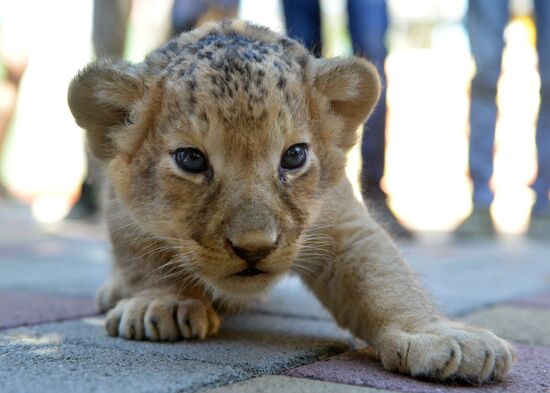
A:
x,y
447,351
109,295
161,318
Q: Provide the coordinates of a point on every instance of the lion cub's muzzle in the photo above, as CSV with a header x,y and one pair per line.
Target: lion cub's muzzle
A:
x,y
252,247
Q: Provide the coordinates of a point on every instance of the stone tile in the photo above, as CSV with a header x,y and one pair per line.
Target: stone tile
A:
x,y
23,308
304,304
525,325
61,259
73,259
279,383
63,274
47,364
530,375
538,301
511,270
256,343
466,277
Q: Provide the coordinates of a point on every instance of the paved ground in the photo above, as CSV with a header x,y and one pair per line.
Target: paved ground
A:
x,y
51,338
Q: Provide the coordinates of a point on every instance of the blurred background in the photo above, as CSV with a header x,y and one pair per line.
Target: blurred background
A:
x,y
442,65
428,68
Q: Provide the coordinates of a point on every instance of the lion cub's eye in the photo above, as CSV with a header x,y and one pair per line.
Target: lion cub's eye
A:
x,y
190,160
295,156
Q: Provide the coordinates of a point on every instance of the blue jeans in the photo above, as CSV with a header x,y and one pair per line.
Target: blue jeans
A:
x,y
368,23
486,20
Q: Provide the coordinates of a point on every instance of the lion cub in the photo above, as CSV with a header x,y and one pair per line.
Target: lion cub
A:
x,y
225,153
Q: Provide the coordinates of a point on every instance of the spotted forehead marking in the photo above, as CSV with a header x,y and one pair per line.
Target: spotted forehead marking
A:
x,y
231,54
223,66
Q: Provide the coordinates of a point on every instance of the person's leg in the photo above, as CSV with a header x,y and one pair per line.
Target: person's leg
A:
x,y
110,22
486,20
13,61
542,182
539,225
303,23
9,89
185,14
368,24
188,14
219,10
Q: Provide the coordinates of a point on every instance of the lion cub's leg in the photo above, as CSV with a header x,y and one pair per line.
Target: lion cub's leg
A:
x,y
371,291
111,292
161,316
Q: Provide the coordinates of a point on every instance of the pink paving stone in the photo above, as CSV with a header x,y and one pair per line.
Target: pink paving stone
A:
x,y
538,301
24,308
530,375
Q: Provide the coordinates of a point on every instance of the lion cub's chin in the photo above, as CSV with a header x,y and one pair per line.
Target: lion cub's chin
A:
x,y
241,288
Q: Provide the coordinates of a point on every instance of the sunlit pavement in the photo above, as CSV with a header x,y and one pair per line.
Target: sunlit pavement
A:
x,y
51,338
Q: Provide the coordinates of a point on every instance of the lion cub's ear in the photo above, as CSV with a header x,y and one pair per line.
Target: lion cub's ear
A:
x,y
101,98
352,86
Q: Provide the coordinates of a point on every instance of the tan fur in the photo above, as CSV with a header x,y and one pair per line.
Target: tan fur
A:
x,y
243,95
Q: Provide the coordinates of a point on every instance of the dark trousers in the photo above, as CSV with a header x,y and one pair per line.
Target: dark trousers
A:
x,y
486,21
368,23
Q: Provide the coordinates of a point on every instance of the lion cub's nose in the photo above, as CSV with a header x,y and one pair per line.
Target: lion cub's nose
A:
x,y
251,257
253,247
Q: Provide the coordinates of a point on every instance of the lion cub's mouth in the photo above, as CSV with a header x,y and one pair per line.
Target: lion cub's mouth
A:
x,y
250,272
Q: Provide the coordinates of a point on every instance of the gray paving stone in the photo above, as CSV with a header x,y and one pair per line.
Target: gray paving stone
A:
x,y
74,260
26,308
66,258
47,364
541,300
256,343
304,304
290,330
60,275
465,277
525,325
279,383
461,278
531,374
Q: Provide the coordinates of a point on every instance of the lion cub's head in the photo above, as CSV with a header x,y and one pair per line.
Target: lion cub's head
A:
x,y
223,142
